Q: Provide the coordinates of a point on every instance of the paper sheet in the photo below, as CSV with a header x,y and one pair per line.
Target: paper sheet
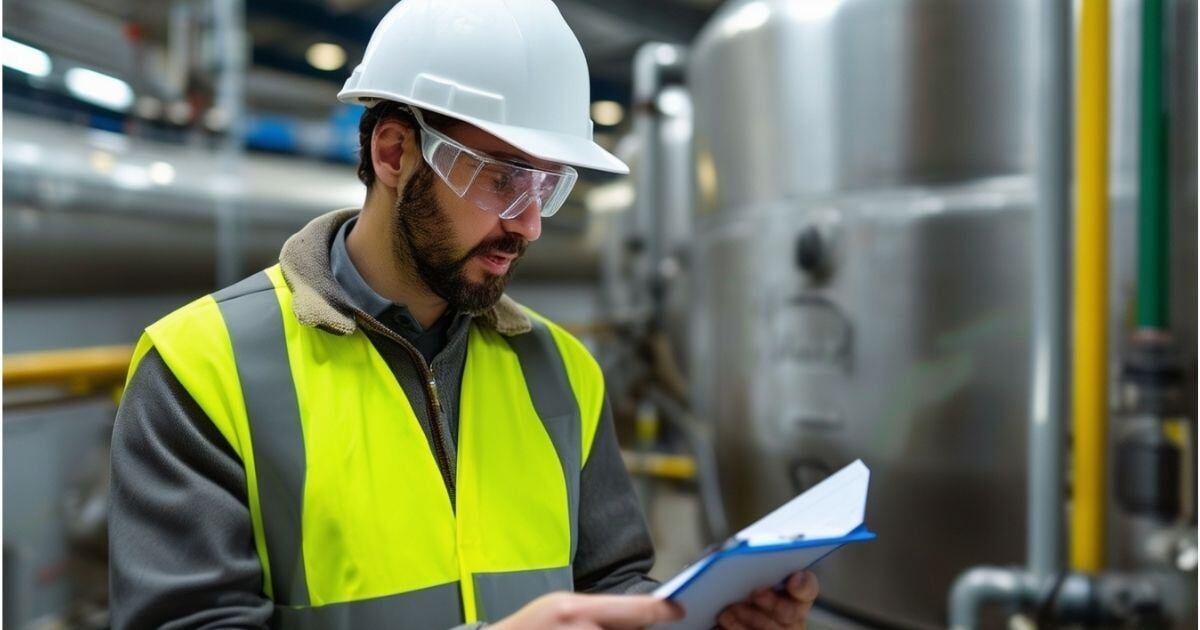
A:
x,y
829,509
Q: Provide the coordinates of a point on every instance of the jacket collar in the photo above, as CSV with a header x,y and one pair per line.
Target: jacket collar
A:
x,y
319,301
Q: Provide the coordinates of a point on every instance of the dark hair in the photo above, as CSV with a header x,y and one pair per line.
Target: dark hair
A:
x,y
384,111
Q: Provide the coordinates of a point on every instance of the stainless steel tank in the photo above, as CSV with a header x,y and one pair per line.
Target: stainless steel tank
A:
x,y
863,275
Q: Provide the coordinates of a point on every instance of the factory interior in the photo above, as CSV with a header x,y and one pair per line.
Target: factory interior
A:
x,y
954,239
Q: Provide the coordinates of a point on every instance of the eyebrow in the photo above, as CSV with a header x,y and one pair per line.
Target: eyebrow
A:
x,y
512,157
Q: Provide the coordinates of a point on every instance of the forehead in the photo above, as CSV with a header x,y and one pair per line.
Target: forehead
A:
x,y
485,142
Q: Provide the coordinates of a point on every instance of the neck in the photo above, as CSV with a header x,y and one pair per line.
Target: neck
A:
x,y
371,250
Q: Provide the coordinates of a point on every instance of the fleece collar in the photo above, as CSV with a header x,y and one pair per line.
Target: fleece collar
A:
x,y
319,301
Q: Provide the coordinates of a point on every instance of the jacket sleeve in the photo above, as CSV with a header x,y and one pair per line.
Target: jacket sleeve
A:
x,y
181,546
615,552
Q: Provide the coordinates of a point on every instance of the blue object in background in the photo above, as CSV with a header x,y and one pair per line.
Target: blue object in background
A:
x,y
271,133
344,121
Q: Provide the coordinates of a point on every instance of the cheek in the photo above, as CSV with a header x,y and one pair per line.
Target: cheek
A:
x,y
467,225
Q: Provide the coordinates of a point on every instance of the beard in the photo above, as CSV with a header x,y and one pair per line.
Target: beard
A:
x,y
422,241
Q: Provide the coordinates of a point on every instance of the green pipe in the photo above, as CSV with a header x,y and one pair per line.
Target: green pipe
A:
x,y
1153,219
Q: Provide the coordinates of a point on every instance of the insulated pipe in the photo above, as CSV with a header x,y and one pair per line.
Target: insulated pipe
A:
x,y
1089,391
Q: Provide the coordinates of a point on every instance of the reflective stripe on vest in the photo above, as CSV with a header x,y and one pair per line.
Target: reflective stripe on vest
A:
x,y
352,520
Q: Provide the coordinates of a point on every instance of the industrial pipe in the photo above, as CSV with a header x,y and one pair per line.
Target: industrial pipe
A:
x,y
1153,304
1048,412
1090,382
704,459
229,36
981,585
87,368
652,62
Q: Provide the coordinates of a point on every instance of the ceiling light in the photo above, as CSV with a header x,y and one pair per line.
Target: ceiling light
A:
x,y
747,17
25,59
326,56
99,89
608,113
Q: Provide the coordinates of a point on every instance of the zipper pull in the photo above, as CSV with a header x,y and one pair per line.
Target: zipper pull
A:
x,y
433,390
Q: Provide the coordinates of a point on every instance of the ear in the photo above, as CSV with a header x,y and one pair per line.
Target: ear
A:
x,y
394,153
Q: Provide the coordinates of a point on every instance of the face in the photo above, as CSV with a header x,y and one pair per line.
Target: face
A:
x,y
463,254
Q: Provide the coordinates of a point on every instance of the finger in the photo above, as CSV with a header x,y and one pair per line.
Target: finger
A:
x,y
728,620
789,611
620,611
803,587
767,600
754,618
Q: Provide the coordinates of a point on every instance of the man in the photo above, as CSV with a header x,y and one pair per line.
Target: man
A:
x,y
370,434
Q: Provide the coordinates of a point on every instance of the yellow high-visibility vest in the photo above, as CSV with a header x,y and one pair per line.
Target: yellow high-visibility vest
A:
x,y
352,520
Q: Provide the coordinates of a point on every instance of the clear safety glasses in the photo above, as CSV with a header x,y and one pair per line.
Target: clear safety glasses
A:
x,y
494,185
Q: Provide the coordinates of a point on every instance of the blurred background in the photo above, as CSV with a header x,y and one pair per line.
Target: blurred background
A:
x,y
953,238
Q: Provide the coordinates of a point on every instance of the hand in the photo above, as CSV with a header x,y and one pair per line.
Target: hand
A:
x,y
767,609
576,611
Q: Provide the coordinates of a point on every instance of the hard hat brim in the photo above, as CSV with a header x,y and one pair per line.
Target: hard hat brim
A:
x,y
552,147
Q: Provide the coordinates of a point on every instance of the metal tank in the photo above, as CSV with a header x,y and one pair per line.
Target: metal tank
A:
x,y
863,276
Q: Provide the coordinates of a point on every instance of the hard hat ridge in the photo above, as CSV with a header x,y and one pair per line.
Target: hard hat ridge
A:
x,y
513,69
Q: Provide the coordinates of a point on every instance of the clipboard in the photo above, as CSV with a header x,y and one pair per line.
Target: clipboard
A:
x,y
792,538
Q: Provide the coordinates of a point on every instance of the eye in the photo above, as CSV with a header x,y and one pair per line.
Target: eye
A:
x,y
501,182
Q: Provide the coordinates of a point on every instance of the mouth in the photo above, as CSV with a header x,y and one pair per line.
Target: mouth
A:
x,y
496,262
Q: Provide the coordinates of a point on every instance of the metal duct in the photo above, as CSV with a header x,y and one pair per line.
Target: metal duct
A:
x,y
94,212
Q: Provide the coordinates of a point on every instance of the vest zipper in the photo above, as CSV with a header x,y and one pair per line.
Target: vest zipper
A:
x,y
431,393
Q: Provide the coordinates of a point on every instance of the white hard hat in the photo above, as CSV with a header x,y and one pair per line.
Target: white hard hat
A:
x,y
510,67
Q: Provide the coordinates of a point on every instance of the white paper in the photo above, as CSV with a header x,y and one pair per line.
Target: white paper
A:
x,y
829,510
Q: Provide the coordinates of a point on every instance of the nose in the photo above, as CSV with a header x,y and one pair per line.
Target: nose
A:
x,y
528,224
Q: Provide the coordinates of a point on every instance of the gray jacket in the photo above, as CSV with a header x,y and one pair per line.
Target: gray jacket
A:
x,y
181,544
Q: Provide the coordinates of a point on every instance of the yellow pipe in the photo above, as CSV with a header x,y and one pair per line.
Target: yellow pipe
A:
x,y
102,365
1090,348
662,465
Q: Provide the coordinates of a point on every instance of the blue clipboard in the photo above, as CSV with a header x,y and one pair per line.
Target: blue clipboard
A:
x,y
793,537
743,548
734,571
